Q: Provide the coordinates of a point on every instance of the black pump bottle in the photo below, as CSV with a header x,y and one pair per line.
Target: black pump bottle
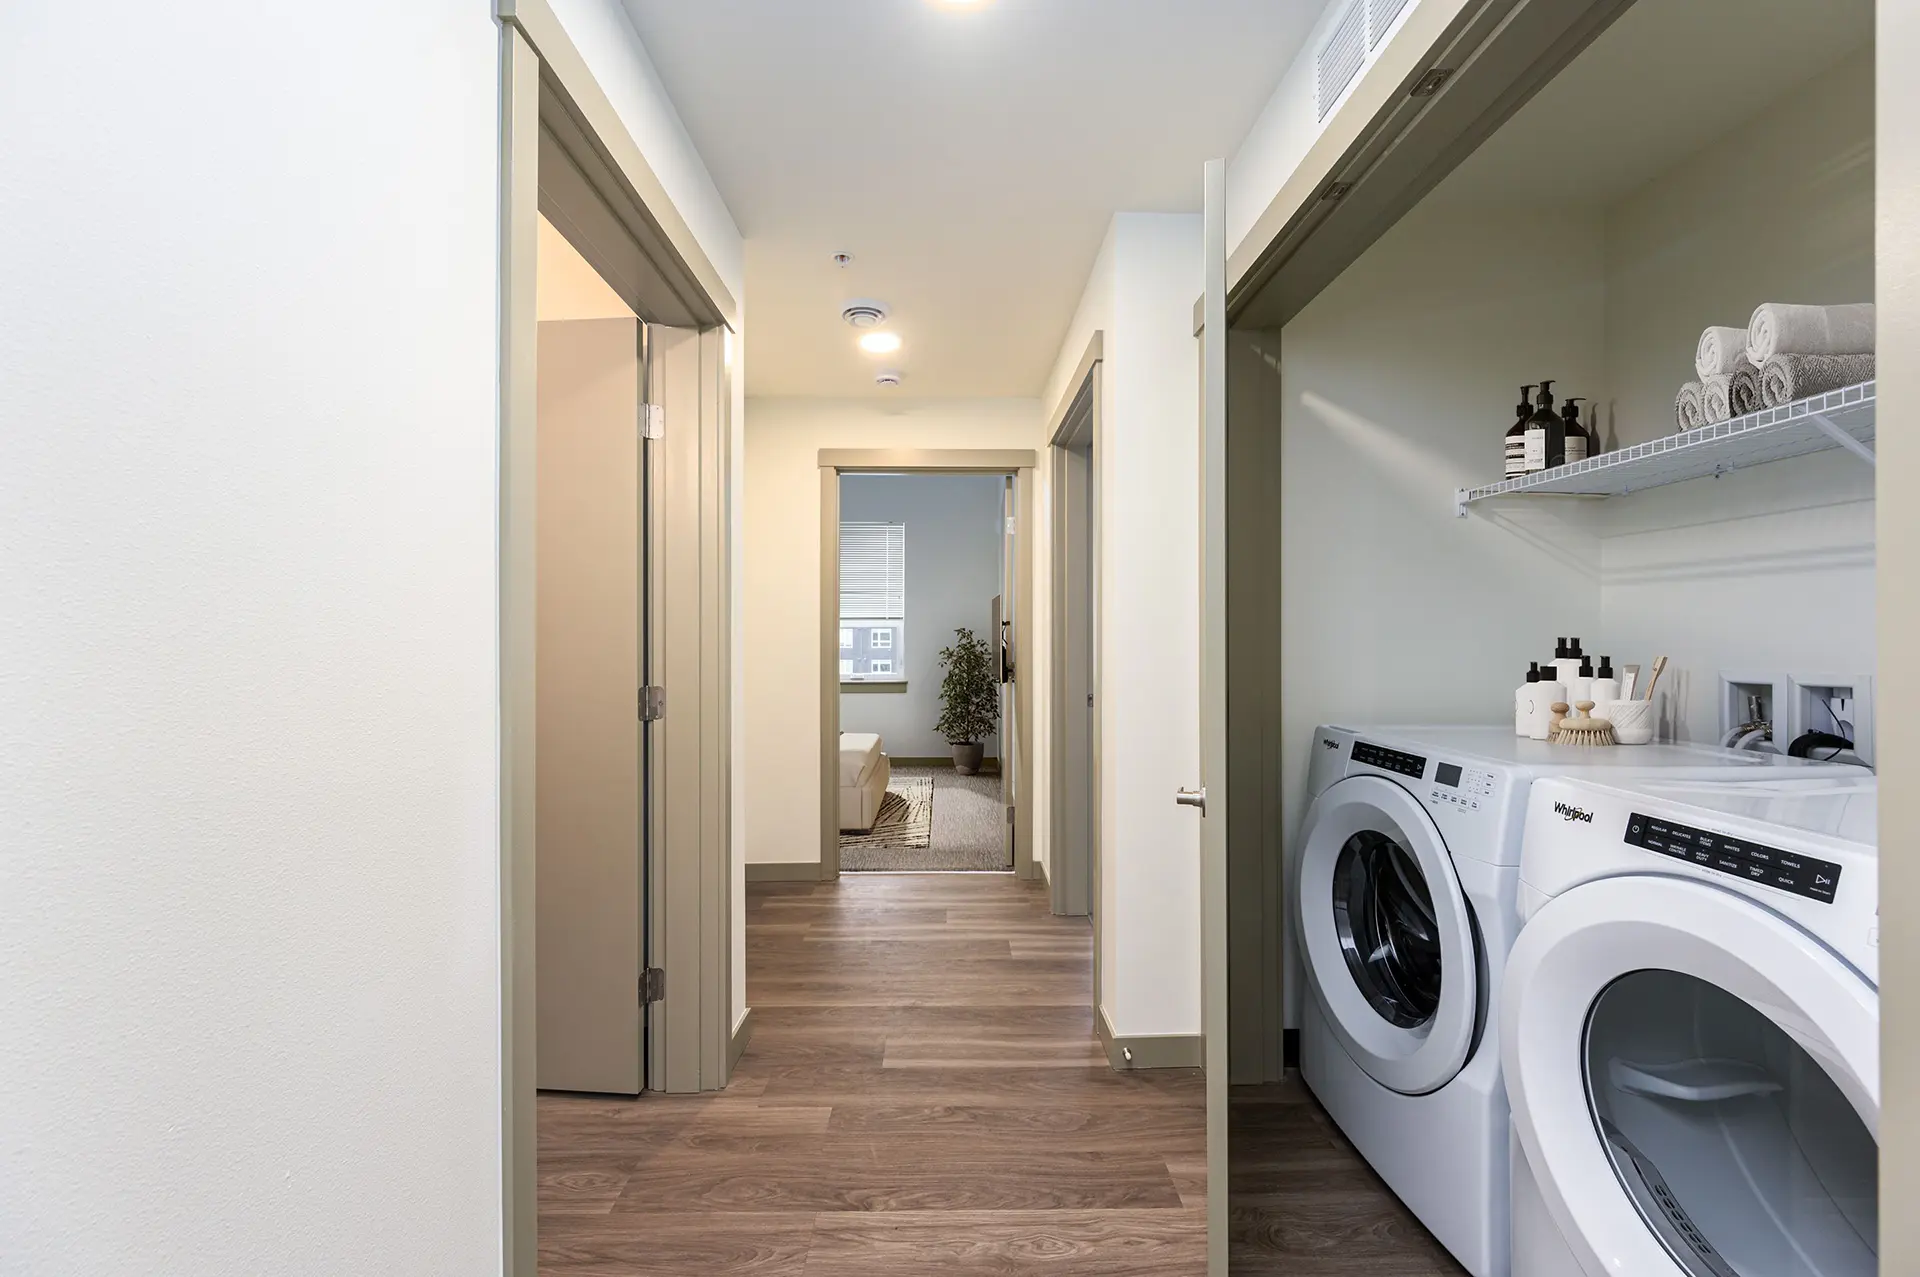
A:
x,y
1546,434
1517,435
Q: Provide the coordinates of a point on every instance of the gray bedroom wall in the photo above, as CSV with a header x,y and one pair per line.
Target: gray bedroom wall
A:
x,y
953,572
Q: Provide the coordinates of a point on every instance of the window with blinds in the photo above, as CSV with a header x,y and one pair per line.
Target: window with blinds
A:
x,y
873,601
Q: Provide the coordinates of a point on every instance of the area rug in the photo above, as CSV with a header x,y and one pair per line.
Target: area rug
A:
x,y
963,826
905,821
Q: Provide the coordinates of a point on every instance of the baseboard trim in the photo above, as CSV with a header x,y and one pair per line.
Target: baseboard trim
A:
x,y
1152,1051
1040,872
737,1044
785,871
987,765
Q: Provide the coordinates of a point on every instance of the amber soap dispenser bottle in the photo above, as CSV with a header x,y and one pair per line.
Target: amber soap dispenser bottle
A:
x,y
1546,438
1517,435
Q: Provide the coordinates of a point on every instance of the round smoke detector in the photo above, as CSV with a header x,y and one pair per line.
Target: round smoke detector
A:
x,y
862,313
889,377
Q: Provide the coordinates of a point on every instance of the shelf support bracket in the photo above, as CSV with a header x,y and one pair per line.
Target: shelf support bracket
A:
x,y
1842,438
1459,503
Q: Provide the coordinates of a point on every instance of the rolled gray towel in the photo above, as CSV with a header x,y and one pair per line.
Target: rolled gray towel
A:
x,y
1720,350
1688,412
1716,398
1743,391
1785,378
1780,329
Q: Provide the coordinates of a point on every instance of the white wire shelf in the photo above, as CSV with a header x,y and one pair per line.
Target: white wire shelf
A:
x,y
1842,418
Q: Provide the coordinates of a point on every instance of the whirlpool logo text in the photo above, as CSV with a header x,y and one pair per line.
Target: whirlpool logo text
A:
x,y
1567,811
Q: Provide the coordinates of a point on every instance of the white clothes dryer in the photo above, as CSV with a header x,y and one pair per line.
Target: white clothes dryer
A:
x,y
1690,1030
1405,905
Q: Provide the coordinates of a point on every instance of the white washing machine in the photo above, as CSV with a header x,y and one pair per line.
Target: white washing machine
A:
x,y
1690,1031
1404,896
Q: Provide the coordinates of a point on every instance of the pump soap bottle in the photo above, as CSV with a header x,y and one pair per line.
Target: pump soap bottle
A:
x,y
1579,445
1580,686
1606,687
1545,693
1546,435
1517,435
1566,663
1523,702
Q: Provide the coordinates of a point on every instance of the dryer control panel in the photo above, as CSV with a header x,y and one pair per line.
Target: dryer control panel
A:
x,y
1787,870
1391,760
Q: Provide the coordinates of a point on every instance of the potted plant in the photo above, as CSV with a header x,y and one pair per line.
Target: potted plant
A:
x,y
969,699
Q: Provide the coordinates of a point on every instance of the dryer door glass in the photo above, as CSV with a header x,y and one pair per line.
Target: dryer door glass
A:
x,y
1384,916
1735,1146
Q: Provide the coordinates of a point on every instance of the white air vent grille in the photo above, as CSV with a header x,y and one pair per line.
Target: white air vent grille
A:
x,y
1380,16
1341,56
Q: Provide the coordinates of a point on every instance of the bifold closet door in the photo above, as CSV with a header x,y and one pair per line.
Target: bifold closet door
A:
x,y
588,841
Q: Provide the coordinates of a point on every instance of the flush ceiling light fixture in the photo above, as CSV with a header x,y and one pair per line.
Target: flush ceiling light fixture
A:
x,y
880,343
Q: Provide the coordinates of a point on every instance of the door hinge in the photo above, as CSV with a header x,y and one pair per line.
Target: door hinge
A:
x,y
1010,524
653,421
653,704
653,985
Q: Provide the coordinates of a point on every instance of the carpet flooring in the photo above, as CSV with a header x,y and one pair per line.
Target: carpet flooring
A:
x,y
969,827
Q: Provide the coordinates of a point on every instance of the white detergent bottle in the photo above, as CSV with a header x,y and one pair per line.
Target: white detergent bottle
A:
x,y
1580,686
1523,702
1548,690
1606,686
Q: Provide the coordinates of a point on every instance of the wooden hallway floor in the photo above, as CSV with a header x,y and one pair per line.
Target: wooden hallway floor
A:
x,y
923,1094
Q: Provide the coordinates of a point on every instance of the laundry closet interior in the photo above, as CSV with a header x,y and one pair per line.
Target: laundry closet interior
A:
x,y
1691,161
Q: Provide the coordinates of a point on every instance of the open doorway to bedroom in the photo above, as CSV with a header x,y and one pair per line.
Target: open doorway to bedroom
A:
x,y
924,659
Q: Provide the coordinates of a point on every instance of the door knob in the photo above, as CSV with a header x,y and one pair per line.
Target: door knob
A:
x,y
1192,798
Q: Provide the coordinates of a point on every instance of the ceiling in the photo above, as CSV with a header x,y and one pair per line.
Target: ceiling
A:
x,y
969,157
1659,85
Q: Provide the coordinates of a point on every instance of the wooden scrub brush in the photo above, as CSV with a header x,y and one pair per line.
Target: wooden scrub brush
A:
x,y
1584,729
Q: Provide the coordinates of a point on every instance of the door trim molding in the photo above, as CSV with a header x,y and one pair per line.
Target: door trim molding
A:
x,y
542,72
1022,465
565,70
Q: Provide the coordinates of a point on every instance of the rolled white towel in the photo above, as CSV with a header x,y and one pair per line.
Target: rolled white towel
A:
x,y
1716,398
1743,389
1781,329
1720,350
1786,378
1687,411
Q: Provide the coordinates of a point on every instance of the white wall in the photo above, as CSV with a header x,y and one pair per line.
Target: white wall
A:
x,y
782,545
1397,382
249,932
1768,571
954,546
250,935
1140,297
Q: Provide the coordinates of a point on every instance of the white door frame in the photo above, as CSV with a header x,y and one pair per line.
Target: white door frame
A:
x,y
1020,463
565,148
1214,758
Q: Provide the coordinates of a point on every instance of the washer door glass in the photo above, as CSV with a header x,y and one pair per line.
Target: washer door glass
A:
x,y
1389,934
1732,1141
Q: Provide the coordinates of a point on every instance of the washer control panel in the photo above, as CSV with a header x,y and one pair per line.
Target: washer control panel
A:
x,y
1459,787
1787,870
1391,760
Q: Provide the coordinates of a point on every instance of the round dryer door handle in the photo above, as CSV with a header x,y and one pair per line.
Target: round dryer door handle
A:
x,y
1192,798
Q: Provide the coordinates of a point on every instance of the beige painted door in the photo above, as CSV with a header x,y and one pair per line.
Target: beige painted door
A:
x,y
587,844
